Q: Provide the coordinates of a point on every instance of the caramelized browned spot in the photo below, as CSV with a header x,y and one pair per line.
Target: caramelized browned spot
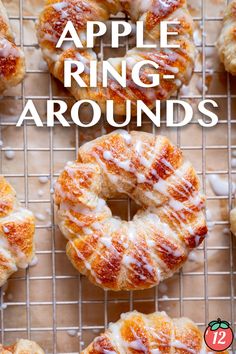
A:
x,y
141,272
3,27
177,58
234,32
107,263
58,22
72,187
4,263
120,94
167,162
133,330
189,336
102,344
81,249
8,66
185,187
168,252
77,218
163,327
6,205
20,235
68,186
76,11
137,92
9,63
119,151
184,27
10,348
161,10
195,240
7,197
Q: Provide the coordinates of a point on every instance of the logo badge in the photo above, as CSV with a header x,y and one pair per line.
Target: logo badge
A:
x,y
218,336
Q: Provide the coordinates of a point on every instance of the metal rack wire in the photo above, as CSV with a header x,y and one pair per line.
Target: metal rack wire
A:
x,y
51,303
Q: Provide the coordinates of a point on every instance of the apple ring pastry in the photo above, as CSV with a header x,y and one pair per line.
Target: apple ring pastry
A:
x,y
155,333
138,254
17,228
227,41
177,62
12,63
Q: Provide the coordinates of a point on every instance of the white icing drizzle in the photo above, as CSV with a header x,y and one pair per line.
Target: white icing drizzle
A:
x,y
34,262
97,250
179,345
86,263
137,343
10,264
8,50
60,5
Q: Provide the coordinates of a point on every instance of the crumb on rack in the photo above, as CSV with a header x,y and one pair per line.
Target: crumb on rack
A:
x,y
43,179
9,153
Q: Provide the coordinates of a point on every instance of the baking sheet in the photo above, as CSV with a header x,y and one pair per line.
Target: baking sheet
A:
x,y
50,302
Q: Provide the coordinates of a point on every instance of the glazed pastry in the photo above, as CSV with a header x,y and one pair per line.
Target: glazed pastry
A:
x,y
227,40
22,346
138,254
178,62
12,63
17,226
155,333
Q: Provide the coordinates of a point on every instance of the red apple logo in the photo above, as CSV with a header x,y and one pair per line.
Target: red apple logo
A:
x,y
218,336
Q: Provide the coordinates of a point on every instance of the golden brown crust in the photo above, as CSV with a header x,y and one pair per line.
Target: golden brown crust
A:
x,y
162,10
17,226
179,62
22,346
12,64
7,197
120,255
154,333
233,221
227,40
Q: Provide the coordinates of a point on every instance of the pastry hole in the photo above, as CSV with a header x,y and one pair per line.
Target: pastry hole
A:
x,y
123,208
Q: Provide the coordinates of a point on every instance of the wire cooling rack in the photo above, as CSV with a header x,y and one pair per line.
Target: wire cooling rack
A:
x,y
50,302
